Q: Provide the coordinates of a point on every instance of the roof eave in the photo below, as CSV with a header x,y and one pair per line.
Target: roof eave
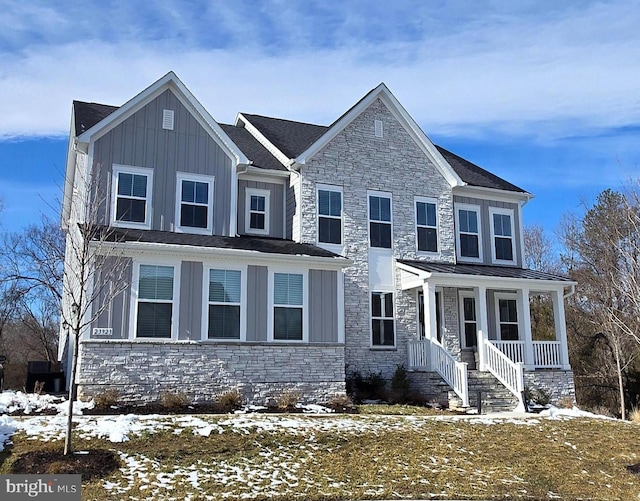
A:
x,y
494,192
170,80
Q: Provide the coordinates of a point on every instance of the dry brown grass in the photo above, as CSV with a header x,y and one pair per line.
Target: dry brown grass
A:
x,y
634,415
387,457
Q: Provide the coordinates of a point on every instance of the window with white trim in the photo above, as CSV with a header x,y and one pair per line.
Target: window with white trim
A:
x,y
469,320
329,215
380,230
257,211
426,225
468,233
502,238
288,306
224,304
155,298
131,196
382,320
194,212
507,317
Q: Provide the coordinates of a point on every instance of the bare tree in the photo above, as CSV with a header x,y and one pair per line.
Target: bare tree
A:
x,y
602,255
95,272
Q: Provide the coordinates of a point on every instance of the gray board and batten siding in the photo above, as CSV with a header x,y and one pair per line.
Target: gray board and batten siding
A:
x,y
276,206
140,141
322,307
486,225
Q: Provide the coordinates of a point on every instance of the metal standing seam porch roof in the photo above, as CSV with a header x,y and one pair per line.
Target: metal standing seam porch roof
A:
x,y
479,270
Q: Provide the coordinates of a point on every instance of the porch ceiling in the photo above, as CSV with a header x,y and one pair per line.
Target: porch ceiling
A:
x,y
469,274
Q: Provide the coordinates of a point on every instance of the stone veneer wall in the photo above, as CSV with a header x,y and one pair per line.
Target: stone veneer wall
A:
x,y
141,371
359,161
559,384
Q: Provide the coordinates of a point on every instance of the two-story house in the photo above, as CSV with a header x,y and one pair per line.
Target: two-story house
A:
x,y
270,255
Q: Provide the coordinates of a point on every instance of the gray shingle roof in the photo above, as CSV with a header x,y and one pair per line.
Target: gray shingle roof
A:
x,y
474,175
89,114
290,137
252,148
484,271
258,244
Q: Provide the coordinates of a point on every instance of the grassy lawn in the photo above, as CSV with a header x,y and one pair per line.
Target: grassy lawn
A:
x,y
351,457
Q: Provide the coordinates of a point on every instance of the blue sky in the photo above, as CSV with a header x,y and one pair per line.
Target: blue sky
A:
x,y
544,94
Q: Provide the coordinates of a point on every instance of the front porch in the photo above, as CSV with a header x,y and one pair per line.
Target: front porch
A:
x,y
487,313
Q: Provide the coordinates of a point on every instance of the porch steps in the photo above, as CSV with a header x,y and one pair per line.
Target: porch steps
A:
x,y
495,397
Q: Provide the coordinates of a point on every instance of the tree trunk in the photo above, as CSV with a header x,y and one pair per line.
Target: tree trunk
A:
x,y
620,383
68,449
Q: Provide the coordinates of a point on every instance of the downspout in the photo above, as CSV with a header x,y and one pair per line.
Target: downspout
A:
x,y
571,292
240,169
290,168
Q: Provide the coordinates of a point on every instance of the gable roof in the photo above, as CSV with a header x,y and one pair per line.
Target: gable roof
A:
x,y
289,136
88,114
474,175
252,148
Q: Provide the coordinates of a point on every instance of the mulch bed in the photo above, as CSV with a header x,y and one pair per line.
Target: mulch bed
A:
x,y
94,463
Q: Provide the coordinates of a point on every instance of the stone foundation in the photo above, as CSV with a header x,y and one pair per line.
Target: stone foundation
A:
x,y
557,383
142,371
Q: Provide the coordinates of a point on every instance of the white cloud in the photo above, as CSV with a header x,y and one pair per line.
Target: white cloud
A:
x,y
543,70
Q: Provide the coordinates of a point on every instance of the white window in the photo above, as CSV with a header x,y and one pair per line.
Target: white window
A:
x,y
507,317
194,208
468,233
131,196
257,211
154,294
382,320
380,230
224,293
288,307
502,239
329,203
426,225
468,319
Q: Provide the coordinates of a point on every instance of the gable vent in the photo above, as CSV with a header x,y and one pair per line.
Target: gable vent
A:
x,y
167,119
378,127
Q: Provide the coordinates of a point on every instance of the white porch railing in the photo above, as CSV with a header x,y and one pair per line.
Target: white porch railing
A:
x,y
546,354
419,355
509,373
431,355
512,349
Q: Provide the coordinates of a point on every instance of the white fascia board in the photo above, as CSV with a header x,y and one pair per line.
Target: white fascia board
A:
x,y
69,173
513,197
169,81
446,279
281,157
255,173
421,139
147,249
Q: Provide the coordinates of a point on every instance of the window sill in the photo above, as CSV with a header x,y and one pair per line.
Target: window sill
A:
x,y
383,348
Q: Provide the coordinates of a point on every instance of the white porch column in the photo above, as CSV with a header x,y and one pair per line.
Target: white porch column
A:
x,y
430,325
561,327
482,325
524,321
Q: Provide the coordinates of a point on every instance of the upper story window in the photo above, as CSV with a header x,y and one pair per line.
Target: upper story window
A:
x,y
131,196
329,214
257,211
288,307
380,220
502,239
224,304
194,211
382,322
427,224
155,301
468,233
